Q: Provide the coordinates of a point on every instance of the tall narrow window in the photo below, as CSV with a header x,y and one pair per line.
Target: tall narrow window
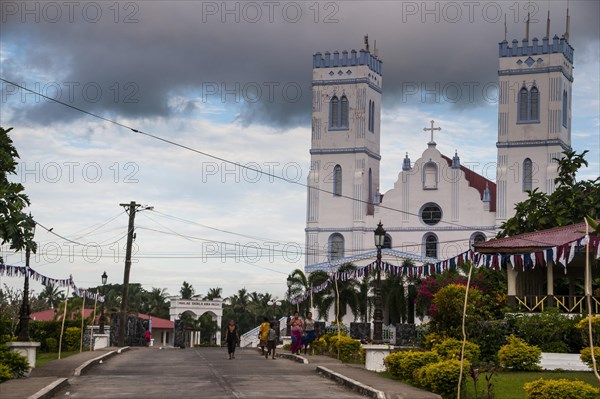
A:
x,y
344,112
334,122
527,175
431,246
373,116
534,104
370,115
564,109
523,94
337,180
336,246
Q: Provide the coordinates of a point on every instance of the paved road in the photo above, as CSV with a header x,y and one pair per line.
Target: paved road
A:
x,y
201,373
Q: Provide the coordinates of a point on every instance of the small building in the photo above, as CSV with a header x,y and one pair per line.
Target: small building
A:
x,y
546,268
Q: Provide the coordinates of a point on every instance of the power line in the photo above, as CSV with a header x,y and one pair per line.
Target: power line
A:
x,y
206,154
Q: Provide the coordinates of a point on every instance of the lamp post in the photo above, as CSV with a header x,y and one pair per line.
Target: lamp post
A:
x,y
104,278
25,311
289,281
378,314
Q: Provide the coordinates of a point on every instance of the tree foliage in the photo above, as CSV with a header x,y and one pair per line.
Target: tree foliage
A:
x,y
570,202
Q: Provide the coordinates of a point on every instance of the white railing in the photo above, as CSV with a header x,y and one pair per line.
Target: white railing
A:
x,y
250,339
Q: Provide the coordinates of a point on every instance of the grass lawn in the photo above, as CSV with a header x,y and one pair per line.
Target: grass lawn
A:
x,y
509,384
45,357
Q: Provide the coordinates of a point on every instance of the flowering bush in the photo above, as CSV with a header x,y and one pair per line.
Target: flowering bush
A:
x,y
560,389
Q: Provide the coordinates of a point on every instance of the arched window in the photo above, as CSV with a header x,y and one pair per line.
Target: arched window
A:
x,y
387,241
430,176
476,237
534,104
336,246
564,109
523,94
334,112
431,245
344,112
337,180
528,105
527,175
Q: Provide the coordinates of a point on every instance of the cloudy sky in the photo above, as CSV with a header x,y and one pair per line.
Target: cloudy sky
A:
x,y
230,81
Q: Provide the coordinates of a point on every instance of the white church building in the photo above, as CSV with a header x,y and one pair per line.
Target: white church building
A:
x,y
437,207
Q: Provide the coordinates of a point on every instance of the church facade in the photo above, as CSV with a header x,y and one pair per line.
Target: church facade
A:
x,y
437,207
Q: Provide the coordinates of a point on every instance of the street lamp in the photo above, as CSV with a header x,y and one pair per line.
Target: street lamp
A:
x,y
104,278
378,314
25,311
290,281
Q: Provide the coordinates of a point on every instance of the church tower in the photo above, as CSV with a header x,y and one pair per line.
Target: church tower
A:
x,y
345,152
534,115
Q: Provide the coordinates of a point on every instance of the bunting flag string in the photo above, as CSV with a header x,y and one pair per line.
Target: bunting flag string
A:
x,y
20,271
562,254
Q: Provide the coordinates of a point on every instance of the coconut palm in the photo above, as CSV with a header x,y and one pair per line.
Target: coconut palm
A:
x,y
51,295
365,299
346,295
214,293
186,290
300,285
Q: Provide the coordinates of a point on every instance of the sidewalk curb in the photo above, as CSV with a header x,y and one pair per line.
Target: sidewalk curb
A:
x,y
350,383
79,370
296,358
49,390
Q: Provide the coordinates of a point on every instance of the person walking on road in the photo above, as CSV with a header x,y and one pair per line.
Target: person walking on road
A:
x,y
271,341
232,337
309,332
297,330
263,330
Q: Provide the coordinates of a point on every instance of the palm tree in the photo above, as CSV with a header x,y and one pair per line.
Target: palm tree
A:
x,y
186,291
156,303
300,285
321,300
347,298
52,296
394,299
213,293
365,299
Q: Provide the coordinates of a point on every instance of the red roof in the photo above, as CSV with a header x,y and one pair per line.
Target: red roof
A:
x,y
478,182
157,322
50,315
534,241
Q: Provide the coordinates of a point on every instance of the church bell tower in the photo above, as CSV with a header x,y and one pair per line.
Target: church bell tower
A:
x,y
345,150
534,115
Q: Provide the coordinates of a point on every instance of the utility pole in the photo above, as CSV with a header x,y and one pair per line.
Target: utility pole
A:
x,y
123,317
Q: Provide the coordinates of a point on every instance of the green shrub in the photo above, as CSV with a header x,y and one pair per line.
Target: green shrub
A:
x,y
431,339
5,373
287,346
446,317
442,377
404,364
490,335
560,389
451,348
51,344
586,357
550,330
349,349
73,338
518,355
16,363
584,328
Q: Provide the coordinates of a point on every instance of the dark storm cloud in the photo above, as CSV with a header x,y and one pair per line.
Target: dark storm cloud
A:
x,y
130,62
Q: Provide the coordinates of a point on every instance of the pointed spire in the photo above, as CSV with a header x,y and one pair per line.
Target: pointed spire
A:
x,y
367,42
548,25
566,35
505,28
527,28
